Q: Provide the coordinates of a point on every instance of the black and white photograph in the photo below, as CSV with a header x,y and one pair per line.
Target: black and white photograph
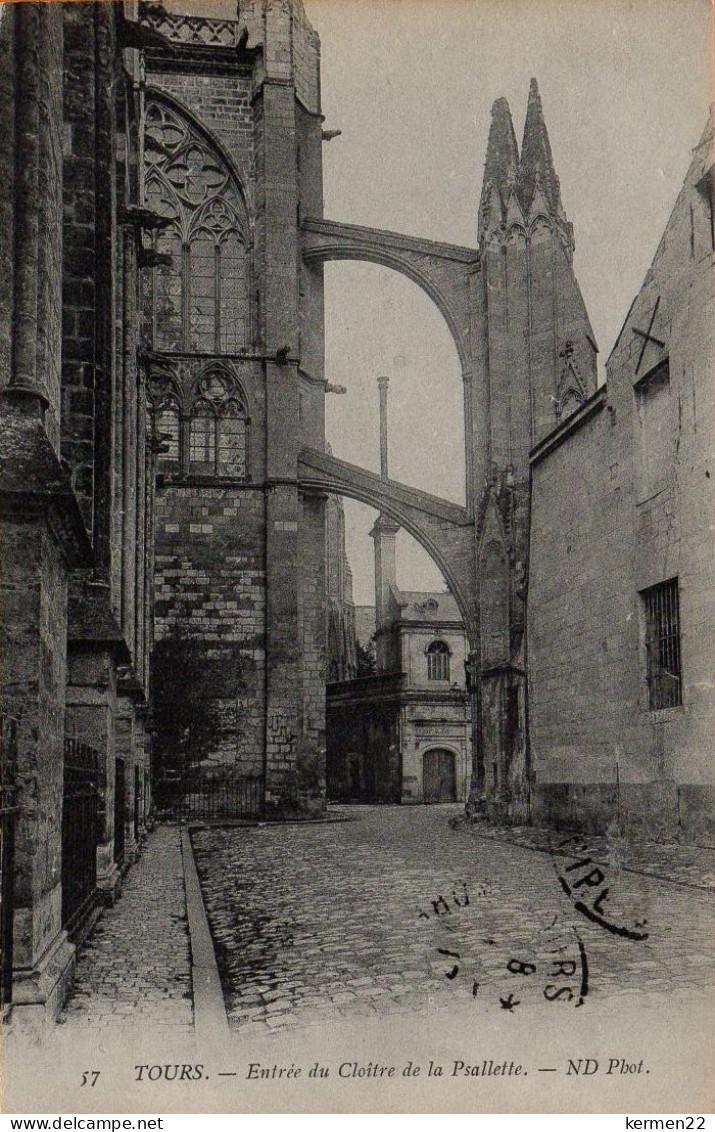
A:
x,y
357,557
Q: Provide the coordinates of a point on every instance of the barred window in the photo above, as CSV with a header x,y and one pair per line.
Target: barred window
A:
x,y
438,661
662,641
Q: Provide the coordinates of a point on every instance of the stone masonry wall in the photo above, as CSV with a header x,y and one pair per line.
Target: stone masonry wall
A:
x,y
222,104
622,502
210,586
312,618
79,290
34,600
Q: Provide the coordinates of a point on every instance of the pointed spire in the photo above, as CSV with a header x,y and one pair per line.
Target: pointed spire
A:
x,y
537,163
502,161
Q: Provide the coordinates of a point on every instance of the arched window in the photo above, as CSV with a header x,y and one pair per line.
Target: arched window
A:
x,y
163,407
438,661
218,427
199,301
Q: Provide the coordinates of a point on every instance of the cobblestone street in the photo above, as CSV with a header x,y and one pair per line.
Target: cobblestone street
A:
x,y
392,911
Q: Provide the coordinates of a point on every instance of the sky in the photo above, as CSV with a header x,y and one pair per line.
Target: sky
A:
x,y
625,87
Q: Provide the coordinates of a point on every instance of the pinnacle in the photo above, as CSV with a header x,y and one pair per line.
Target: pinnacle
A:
x,y
536,158
502,161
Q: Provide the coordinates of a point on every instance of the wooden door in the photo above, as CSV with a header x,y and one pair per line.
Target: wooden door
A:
x,y
439,782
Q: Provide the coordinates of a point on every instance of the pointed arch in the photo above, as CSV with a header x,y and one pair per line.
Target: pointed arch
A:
x,y
199,296
403,266
156,94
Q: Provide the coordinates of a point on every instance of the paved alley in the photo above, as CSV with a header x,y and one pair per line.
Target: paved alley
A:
x,y
134,969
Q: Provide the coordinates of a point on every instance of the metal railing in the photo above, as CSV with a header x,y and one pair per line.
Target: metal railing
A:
x,y
207,794
80,829
8,813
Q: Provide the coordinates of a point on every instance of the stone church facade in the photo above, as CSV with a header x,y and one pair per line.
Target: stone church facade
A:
x,y
76,482
164,475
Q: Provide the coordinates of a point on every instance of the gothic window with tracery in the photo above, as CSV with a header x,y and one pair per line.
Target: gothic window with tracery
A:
x,y
198,302
204,432
218,428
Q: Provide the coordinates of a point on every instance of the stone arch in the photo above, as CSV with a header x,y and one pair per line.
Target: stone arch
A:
x,y
438,641
448,274
228,372
420,534
403,266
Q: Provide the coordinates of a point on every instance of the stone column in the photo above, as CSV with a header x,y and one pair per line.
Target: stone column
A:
x,y
382,384
91,715
41,534
126,751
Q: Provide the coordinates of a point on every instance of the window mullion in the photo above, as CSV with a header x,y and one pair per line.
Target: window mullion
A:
x,y
186,295
217,298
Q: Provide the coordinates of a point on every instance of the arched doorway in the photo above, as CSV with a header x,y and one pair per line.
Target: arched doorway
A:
x,y
439,779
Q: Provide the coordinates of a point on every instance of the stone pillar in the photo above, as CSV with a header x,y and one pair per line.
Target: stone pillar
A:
x,y
382,384
34,627
312,619
91,715
126,751
41,531
383,534
277,158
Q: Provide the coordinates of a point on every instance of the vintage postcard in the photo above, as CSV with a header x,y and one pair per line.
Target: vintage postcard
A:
x,y
357,443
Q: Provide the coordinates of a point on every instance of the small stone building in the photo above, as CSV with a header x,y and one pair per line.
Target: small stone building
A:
x,y
404,733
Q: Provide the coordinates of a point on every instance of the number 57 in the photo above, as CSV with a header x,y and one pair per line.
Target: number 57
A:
x,y
90,1073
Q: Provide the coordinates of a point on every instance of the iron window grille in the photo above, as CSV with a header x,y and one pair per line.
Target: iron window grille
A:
x,y
662,641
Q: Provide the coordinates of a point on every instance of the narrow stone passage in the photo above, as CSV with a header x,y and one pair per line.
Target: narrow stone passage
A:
x,y
135,967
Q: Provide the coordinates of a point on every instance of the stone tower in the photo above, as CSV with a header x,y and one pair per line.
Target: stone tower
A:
x,y
234,354
540,359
